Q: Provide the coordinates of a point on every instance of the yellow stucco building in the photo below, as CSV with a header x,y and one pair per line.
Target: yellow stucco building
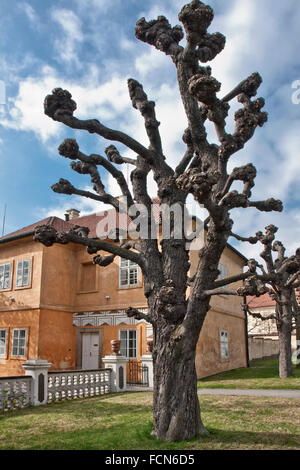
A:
x,y
55,304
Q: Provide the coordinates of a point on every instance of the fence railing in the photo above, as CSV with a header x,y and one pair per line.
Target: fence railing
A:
x,y
138,374
78,384
39,386
15,392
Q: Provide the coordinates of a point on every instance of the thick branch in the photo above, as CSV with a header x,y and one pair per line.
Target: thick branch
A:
x,y
137,314
208,293
65,187
262,317
88,165
60,107
252,240
140,101
249,87
187,139
242,277
48,236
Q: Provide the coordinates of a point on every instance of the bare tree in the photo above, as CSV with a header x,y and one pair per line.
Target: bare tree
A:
x,y
282,276
177,319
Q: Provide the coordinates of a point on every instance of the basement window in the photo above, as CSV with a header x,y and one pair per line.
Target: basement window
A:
x,y
5,276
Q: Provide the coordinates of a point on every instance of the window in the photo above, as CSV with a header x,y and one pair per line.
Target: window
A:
x,y
23,273
19,342
128,343
5,276
128,273
3,334
224,344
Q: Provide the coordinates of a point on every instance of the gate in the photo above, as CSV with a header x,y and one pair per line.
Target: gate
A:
x,y
137,374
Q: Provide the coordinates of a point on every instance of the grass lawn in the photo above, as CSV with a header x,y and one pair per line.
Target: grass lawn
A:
x,y
261,374
123,422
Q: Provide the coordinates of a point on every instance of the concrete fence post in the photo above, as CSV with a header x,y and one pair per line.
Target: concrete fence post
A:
x,y
38,370
147,361
118,375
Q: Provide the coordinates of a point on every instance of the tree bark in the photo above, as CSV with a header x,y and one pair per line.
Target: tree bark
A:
x,y
176,411
285,346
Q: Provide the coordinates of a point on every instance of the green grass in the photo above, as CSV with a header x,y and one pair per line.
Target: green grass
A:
x,y
124,422
261,374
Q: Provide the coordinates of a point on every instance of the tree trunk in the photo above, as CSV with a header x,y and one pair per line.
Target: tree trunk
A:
x,y
297,353
285,344
176,412
285,354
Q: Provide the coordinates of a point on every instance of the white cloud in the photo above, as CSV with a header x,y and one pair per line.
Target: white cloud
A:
x,y
103,101
30,13
67,45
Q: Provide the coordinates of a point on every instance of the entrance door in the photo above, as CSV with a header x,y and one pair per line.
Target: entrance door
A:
x,y
90,351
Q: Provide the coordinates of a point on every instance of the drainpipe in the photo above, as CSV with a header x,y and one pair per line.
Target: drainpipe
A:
x,y
246,330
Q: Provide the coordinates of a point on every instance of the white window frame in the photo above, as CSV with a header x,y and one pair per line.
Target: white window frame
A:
x,y
127,331
5,270
128,266
3,349
224,344
22,279
16,343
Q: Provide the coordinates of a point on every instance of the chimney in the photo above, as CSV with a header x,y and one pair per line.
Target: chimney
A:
x,y
72,214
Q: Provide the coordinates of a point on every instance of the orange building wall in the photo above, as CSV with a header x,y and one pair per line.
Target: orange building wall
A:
x,y
208,355
24,297
24,319
59,271
46,307
57,342
107,285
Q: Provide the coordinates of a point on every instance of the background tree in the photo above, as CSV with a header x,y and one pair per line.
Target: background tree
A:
x,y
282,275
177,319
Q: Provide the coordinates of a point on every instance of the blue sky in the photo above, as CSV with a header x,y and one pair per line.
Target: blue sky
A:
x,y
89,48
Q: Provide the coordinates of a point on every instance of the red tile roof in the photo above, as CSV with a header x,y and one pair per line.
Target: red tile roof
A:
x,y
55,222
262,301
265,301
91,221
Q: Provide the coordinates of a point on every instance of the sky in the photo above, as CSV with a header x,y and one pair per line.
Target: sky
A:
x,y
88,47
